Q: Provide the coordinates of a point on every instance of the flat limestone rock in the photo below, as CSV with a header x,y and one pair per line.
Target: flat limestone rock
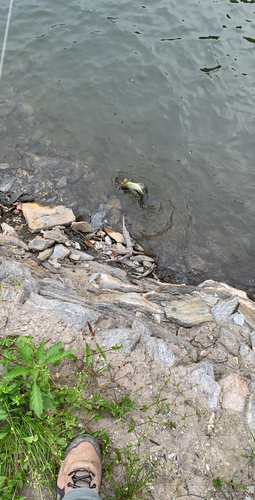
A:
x,y
60,252
56,236
224,308
188,311
235,391
40,244
42,256
82,226
217,286
12,241
46,216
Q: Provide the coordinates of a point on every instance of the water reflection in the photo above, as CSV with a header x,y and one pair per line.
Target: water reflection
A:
x,y
94,84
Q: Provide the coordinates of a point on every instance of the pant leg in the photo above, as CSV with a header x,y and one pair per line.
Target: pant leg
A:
x,y
82,494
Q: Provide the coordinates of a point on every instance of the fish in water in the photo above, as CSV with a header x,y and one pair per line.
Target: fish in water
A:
x,y
135,187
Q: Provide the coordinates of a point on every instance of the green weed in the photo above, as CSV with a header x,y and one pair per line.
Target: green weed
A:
x,y
136,480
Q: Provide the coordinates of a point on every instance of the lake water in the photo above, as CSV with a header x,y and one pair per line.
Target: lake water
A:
x,y
158,92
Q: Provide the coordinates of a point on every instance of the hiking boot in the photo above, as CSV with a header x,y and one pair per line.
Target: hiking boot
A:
x,y
82,466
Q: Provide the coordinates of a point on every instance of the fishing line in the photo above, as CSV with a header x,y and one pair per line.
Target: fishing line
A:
x,y
5,38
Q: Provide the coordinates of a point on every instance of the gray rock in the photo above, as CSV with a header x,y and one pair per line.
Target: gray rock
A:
x,y
98,216
55,235
206,366
74,314
166,335
238,319
244,349
224,308
9,230
252,337
60,252
188,311
129,338
227,339
250,415
42,256
11,272
13,294
4,166
12,241
165,356
40,244
206,385
7,184
62,182
160,351
248,353
252,387
142,326
55,263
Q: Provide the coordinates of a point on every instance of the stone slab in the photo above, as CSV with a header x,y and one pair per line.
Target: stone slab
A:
x,y
46,216
188,311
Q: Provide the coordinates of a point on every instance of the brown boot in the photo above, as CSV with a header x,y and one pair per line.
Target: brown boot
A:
x,y
82,466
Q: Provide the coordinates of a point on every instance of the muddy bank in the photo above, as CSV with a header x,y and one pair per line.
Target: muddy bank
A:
x,y
201,337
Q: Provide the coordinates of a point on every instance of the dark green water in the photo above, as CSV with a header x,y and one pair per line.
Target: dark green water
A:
x,y
160,92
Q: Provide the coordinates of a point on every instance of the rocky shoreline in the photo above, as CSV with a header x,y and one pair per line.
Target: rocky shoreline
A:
x,y
73,274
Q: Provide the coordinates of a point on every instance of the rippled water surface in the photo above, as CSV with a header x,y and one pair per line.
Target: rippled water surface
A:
x,y
160,92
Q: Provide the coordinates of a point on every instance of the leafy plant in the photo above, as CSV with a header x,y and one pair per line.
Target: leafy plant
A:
x,y
31,442
26,383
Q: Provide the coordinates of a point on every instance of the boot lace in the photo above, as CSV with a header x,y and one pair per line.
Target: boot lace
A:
x,y
86,478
